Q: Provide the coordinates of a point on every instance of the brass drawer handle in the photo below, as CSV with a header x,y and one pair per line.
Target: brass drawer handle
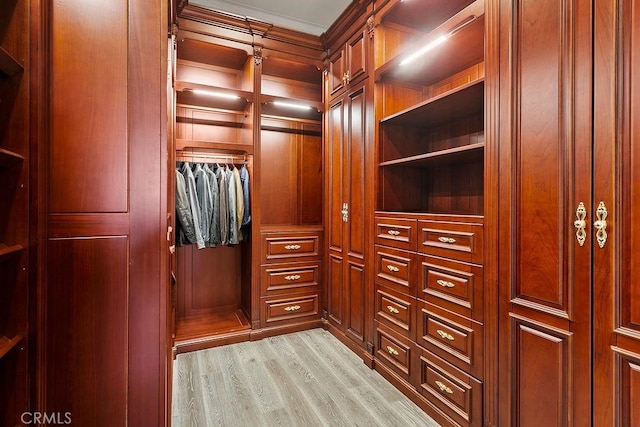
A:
x,y
392,351
294,277
393,268
393,232
392,309
292,247
443,387
447,239
445,284
445,335
292,308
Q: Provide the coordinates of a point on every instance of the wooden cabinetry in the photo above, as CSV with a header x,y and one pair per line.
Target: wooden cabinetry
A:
x,y
428,231
348,64
15,228
569,332
348,154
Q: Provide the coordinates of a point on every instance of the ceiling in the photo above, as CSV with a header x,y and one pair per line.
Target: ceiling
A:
x,y
309,16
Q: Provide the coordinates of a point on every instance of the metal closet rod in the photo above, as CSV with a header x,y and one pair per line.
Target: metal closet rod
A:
x,y
228,158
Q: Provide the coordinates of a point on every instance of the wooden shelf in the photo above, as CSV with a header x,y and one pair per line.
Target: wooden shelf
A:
x,y
462,49
452,155
226,147
457,103
8,251
9,158
206,331
183,86
9,66
6,344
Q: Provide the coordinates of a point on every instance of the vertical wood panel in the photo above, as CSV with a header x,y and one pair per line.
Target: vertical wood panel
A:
x,y
279,204
542,366
356,297
334,175
541,146
89,148
628,388
311,197
335,298
355,176
87,338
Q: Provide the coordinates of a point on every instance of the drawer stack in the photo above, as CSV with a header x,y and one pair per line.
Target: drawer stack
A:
x,y
291,277
429,309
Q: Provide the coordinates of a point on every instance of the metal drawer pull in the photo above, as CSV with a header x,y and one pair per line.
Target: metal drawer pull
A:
x,y
393,268
292,308
392,351
393,232
580,223
392,309
445,335
294,277
445,284
443,387
292,247
447,239
601,225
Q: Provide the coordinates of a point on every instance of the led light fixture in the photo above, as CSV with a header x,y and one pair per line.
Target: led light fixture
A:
x,y
215,94
291,105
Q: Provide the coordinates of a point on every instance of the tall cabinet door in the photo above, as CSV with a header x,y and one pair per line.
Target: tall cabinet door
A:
x,y
347,133
616,260
545,174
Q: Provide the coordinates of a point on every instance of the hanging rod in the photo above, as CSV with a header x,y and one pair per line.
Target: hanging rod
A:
x,y
201,157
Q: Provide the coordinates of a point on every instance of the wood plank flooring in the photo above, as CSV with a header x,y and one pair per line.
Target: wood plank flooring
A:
x,y
305,379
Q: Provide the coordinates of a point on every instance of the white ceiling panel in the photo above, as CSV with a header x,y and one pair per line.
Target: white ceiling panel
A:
x,y
309,16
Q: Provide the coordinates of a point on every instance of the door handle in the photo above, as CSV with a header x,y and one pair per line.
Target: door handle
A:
x,y
345,212
580,223
601,224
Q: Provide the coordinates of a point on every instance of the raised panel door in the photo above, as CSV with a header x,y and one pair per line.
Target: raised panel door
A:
x,y
545,172
337,65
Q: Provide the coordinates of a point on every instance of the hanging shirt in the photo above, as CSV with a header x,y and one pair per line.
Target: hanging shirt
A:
x,y
214,227
239,202
223,190
205,199
185,229
190,186
244,179
232,208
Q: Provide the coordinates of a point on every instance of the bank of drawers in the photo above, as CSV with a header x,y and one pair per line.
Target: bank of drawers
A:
x,y
429,308
291,276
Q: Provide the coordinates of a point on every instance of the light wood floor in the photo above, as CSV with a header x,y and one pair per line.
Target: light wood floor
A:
x,y
304,379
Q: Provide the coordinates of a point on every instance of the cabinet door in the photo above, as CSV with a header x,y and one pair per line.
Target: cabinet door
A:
x,y
346,152
357,56
545,172
337,65
616,264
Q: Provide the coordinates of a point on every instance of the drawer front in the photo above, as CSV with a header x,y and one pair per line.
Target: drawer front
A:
x,y
283,248
399,233
291,308
395,269
454,392
456,339
396,311
453,285
393,352
288,278
460,241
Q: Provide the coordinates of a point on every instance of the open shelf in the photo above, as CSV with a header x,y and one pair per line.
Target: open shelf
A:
x,y
227,147
8,251
211,330
7,344
9,66
461,102
461,154
463,48
9,158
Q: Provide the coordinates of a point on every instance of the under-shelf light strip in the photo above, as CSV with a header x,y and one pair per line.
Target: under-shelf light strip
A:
x,y
215,94
437,41
291,105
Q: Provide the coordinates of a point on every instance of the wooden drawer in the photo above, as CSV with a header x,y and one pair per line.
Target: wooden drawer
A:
x,y
393,351
457,240
285,247
453,285
396,269
287,278
399,233
453,391
396,311
290,308
456,339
